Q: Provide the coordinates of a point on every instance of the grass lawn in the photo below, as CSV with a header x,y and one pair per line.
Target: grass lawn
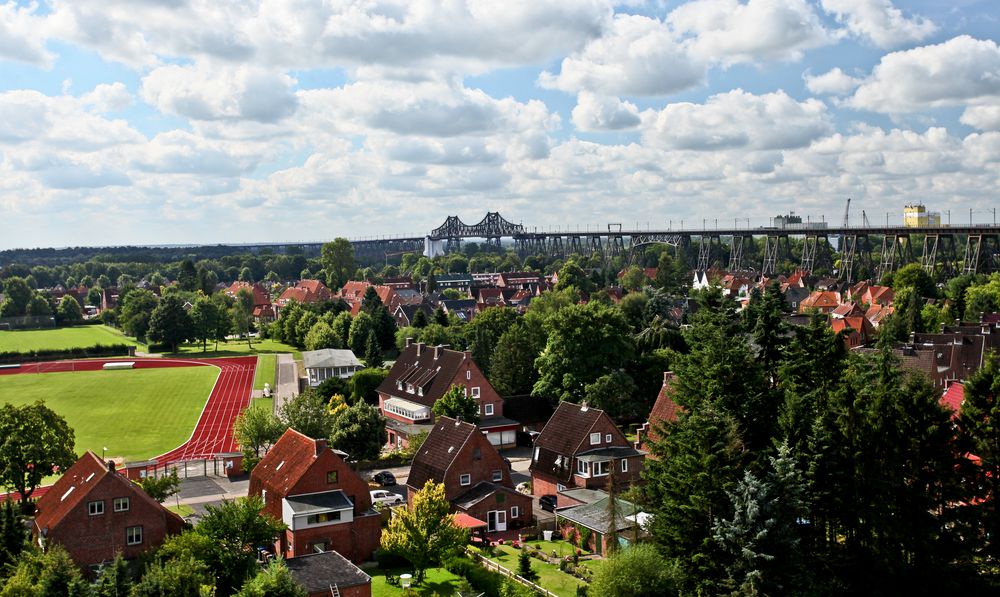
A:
x,y
437,581
265,403
135,414
266,365
562,548
549,575
181,510
62,338
238,348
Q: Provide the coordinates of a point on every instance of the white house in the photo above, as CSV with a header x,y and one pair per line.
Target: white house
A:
x,y
329,362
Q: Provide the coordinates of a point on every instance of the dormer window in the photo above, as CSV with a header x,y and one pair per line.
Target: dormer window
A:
x,y
420,391
399,385
409,388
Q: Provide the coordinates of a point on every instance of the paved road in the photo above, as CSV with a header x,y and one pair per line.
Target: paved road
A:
x,y
287,384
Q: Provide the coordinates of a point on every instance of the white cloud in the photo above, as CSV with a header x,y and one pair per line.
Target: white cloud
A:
x,y
731,31
430,108
959,71
30,117
453,36
108,97
601,113
738,119
985,118
22,34
637,56
880,22
181,152
833,82
211,92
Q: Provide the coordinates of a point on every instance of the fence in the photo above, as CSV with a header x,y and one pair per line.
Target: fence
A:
x,y
185,469
491,565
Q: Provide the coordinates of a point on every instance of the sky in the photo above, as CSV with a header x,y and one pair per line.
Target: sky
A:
x,y
224,121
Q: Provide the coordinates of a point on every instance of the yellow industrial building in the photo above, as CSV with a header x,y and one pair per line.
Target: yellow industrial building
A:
x,y
917,216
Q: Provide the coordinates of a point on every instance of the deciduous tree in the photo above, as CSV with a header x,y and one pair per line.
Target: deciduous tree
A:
x,y
338,261
425,533
457,404
360,431
35,442
307,413
170,324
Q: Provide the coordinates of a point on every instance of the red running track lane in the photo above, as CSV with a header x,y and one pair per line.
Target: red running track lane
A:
x,y
213,434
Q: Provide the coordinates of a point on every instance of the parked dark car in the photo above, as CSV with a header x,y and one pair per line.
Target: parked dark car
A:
x,y
510,466
384,478
547,502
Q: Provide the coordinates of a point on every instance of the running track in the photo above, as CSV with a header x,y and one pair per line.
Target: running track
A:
x,y
213,434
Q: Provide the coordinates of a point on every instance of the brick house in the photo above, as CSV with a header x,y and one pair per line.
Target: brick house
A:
x,y
580,447
324,503
304,292
822,301
420,376
476,479
665,410
95,512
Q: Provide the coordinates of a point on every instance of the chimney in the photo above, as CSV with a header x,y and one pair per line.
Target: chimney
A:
x,y
583,406
111,465
320,446
420,348
667,376
408,342
439,350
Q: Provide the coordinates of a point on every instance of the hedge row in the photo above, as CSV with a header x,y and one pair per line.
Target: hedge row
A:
x,y
86,352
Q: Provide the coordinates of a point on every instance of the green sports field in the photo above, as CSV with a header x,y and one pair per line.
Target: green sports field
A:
x,y
61,338
136,414
266,365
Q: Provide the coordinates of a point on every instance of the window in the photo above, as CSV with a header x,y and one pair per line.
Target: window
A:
x,y
536,454
607,438
409,388
133,535
465,480
331,477
601,468
497,476
514,511
324,517
582,467
95,508
489,410
475,392
121,504
560,487
319,547
595,439
624,465
399,385
468,375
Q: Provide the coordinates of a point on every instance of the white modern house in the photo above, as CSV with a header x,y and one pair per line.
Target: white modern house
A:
x,y
329,362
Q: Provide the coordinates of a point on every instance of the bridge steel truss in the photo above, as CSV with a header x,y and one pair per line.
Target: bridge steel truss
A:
x,y
940,245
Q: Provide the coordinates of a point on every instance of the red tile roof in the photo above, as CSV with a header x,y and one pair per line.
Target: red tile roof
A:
x,y
820,299
665,410
71,490
953,398
260,295
286,462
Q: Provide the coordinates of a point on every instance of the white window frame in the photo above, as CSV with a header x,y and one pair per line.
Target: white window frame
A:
x,y
597,466
465,480
624,465
489,409
130,535
595,439
497,476
583,468
475,391
560,487
122,504
515,511
468,375
95,508
607,438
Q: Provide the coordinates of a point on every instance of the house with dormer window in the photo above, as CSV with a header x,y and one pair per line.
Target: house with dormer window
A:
x,y
476,479
325,504
418,379
580,447
95,513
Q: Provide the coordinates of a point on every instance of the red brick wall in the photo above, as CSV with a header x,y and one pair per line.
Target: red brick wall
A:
x,y
356,541
358,591
347,480
471,376
543,485
479,469
523,503
94,539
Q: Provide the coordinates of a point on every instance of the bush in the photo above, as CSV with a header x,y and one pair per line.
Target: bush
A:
x,y
387,560
97,350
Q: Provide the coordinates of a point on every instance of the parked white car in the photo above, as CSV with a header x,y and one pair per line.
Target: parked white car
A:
x,y
381,496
